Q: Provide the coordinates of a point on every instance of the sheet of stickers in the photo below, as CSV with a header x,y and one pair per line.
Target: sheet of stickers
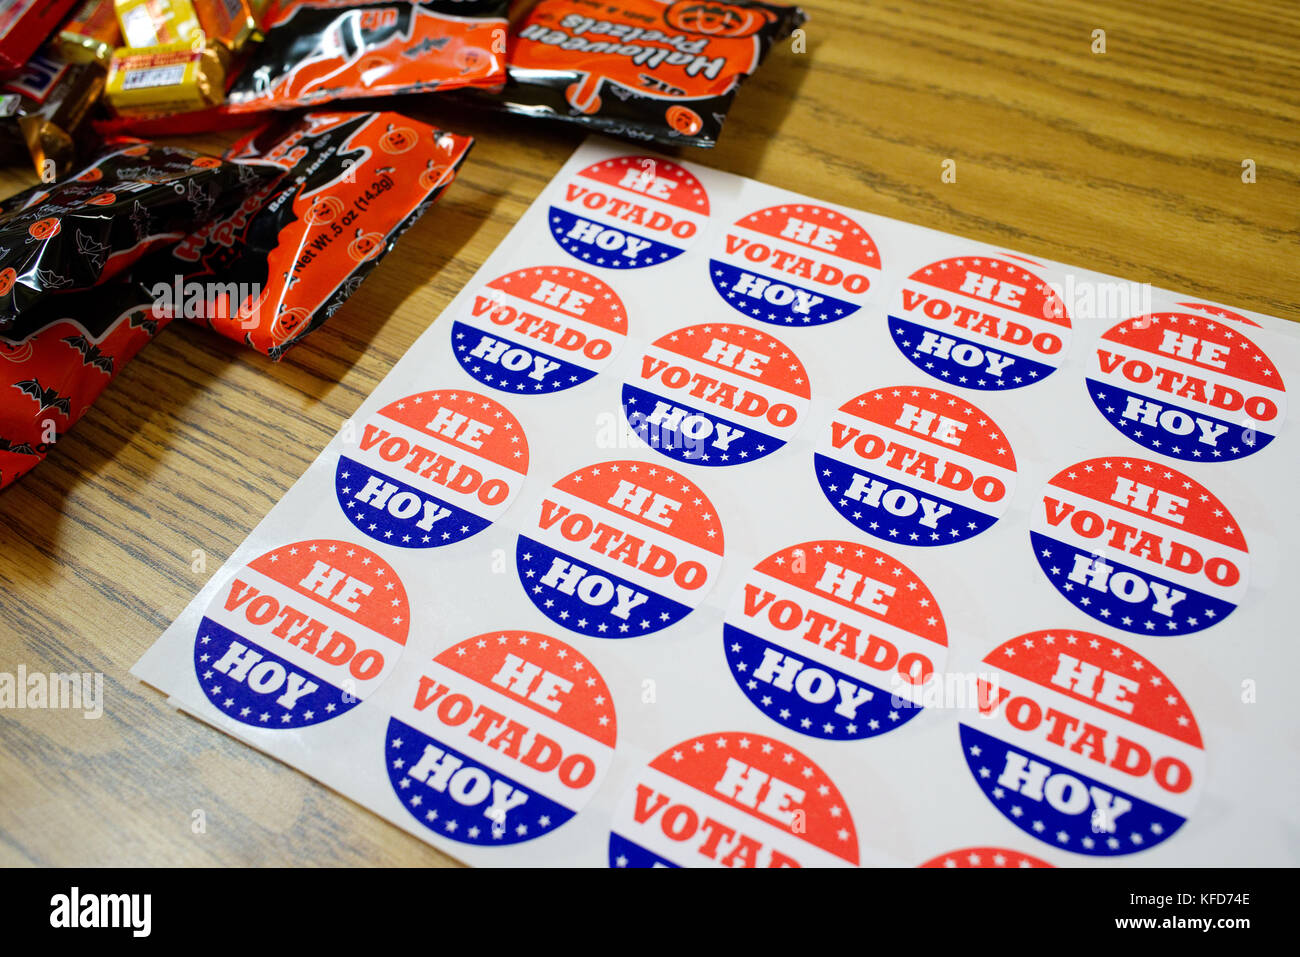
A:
x,y
712,524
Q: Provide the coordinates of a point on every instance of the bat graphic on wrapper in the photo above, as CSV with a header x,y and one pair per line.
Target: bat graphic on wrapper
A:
x,y
137,320
48,398
91,354
22,448
93,251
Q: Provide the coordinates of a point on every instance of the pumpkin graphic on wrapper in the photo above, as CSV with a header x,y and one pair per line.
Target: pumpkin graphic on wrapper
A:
x,y
92,175
287,322
45,228
398,139
434,176
684,120
324,210
366,246
7,279
102,199
716,19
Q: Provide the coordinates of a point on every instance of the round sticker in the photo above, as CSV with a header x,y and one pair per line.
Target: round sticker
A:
x,y
717,395
1139,546
629,212
916,466
795,266
1187,386
980,323
301,634
507,736
834,640
432,469
620,549
994,857
542,329
1083,744
733,800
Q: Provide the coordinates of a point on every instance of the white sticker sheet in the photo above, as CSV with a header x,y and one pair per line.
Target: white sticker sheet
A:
x,y
713,524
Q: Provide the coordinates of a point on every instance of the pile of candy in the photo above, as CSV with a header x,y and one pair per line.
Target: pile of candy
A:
x,y
265,243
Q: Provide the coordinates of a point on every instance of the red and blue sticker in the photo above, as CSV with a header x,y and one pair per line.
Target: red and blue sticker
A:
x,y
916,466
990,857
301,634
1083,744
1220,313
717,395
980,323
432,469
1188,386
539,330
733,800
795,265
834,640
629,212
506,737
620,549
1140,546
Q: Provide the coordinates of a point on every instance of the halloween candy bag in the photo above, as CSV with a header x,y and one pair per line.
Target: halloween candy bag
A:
x,y
50,377
83,231
315,51
660,70
283,262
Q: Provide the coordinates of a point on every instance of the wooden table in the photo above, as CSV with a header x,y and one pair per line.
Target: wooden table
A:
x,y
1127,161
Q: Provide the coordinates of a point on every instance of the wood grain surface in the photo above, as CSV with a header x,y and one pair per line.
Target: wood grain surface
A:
x,y
1129,162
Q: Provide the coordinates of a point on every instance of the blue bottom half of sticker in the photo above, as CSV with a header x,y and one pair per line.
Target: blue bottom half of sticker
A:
x,y
1121,595
513,366
600,244
964,362
253,685
773,300
690,434
1060,807
459,798
625,853
587,600
1173,430
390,511
807,696
888,509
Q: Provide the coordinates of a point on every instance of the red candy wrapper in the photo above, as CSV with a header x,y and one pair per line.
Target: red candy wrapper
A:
x,y
48,379
660,70
287,258
85,230
24,25
315,52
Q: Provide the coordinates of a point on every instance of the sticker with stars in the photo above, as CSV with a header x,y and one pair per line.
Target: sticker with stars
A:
x,y
1220,312
916,466
301,634
991,857
795,265
628,212
980,322
734,799
620,549
1083,744
507,736
1139,546
835,640
1189,386
433,468
717,394
539,330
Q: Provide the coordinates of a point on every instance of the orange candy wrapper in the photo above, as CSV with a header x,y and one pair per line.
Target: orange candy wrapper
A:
x,y
287,258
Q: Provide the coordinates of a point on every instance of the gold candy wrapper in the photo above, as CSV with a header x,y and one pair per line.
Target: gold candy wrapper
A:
x,y
91,34
230,23
147,24
43,109
175,77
